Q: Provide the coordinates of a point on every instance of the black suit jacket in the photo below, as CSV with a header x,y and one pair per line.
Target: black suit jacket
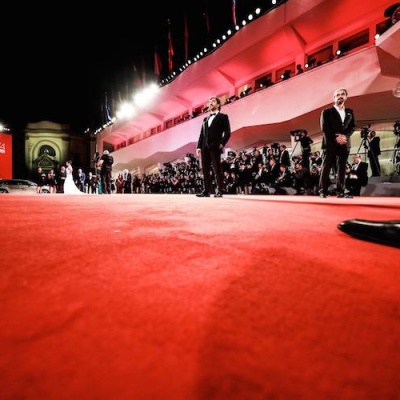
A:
x,y
374,147
285,158
332,125
216,134
361,172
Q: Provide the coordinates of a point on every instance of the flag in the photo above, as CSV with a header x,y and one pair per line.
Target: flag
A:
x,y
157,64
186,40
170,49
107,110
234,11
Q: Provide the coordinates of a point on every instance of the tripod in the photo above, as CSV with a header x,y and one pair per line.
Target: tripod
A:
x,y
365,144
294,148
396,156
374,164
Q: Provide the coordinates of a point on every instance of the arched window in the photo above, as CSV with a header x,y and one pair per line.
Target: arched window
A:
x,y
48,150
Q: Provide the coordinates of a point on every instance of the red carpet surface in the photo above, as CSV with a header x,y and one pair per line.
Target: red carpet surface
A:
x,y
179,297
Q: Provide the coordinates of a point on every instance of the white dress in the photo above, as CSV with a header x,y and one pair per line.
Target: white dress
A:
x,y
69,184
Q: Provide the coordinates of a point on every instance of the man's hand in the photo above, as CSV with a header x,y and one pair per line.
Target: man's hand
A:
x,y
341,139
198,152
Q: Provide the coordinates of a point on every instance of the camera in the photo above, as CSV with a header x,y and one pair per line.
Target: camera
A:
x,y
364,132
190,157
296,135
96,157
396,128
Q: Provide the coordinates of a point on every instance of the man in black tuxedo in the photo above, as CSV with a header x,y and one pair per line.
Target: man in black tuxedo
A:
x,y
214,135
337,125
356,176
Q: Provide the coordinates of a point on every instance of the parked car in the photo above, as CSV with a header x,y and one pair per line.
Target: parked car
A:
x,y
20,186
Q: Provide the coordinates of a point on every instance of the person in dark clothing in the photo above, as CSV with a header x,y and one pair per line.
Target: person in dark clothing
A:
x,y
127,182
302,179
356,176
337,125
374,151
105,163
284,156
214,135
305,143
284,180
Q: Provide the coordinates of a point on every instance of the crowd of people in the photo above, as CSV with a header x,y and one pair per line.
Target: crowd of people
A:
x,y
260,171
267,170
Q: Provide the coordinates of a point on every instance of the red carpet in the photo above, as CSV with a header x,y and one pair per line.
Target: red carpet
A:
x,y
176,297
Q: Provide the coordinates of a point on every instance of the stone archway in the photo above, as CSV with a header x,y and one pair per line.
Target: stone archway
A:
x,y
45,160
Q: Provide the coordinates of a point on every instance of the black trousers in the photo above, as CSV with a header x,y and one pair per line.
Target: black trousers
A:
x,y
105,181
211,158
374,164
334,154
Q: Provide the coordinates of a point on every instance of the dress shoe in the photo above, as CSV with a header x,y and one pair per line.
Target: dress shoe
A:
x,y
381,232
218,194
203,194
322,194
344,195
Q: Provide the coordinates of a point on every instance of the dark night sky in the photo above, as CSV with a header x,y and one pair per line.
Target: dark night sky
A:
x,y
58,63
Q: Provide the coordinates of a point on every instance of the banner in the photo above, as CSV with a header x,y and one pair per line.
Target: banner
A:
x,y
5,156
234,12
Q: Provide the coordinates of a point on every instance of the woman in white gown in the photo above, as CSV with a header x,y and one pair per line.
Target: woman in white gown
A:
x,y
69,184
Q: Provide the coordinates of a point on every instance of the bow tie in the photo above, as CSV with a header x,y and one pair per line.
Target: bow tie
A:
x,y
213,114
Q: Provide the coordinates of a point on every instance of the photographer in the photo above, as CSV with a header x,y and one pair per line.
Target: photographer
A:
x,y
316,158
105,163
374,151
259,179
283,180
302,179
305,143
315,173
396,152
396,131
284,156
356,176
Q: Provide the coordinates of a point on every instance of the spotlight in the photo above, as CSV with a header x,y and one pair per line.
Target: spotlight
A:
x,y
340,53
266,83
311,63
286,74
231,99
245,92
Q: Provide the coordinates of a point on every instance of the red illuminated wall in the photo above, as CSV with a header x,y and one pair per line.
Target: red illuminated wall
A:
x,y
5,156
